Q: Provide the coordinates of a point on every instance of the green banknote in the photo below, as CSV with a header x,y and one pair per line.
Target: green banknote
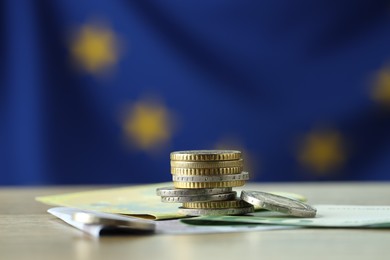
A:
x,y
327,216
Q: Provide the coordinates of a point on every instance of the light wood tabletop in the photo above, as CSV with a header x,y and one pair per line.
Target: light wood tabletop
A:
x,y
27,231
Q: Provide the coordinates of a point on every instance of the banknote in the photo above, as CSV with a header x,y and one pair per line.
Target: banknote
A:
x,y
327,216
138,200
172,226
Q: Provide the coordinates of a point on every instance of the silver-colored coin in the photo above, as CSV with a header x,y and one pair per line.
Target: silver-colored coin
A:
x,y
207,164
278,203
175,192
216,212
211,178
215,197
117,221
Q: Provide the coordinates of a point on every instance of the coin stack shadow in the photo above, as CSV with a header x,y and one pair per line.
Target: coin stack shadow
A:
x,y
203,181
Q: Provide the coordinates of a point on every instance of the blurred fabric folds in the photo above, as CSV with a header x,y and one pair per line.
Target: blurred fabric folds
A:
x,y
102,91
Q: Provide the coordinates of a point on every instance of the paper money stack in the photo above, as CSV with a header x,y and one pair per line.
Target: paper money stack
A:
x,y
203,181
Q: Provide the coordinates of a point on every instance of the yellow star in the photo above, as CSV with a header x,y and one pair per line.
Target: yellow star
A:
x,y
95,48
148,125
381,87
322,151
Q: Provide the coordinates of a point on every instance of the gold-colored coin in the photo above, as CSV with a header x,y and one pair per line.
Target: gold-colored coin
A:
x,y
243,176
202,185
207,165
237,203
206,171
206,155
216,212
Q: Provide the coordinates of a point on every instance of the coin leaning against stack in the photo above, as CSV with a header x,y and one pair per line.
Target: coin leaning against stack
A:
x,y
203,181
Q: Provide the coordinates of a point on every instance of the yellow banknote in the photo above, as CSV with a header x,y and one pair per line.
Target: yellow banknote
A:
x,y
140,201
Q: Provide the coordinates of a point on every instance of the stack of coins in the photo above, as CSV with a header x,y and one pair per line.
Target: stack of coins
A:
x,y
203,181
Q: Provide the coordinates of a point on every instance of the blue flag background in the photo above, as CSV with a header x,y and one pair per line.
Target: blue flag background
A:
x,y
102,91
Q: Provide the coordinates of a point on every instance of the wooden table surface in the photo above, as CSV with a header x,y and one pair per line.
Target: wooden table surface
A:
x,y
28,232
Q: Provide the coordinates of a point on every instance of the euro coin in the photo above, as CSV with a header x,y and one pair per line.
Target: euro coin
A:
x,y
206,171
216,212
205,155
215,197
172,191
207,165
202,185
280,204
236,203
211,178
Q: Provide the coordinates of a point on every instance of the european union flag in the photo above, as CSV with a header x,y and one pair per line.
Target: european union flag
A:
x,y
103,91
